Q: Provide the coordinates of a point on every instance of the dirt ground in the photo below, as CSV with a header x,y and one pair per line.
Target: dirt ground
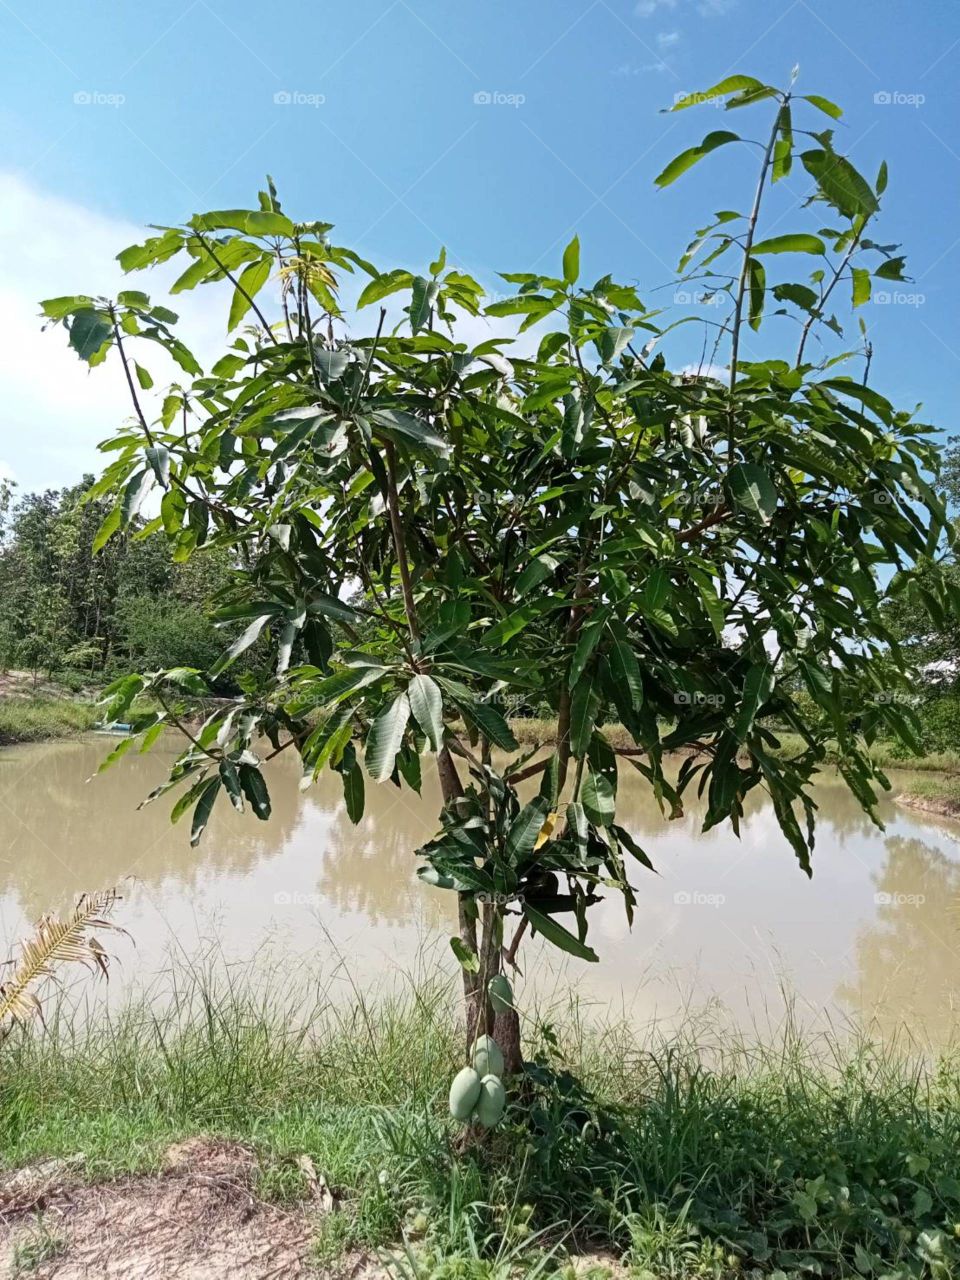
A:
x,y
198,1220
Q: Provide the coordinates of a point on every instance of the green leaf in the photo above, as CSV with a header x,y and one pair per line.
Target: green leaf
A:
x,y
585,704
426,703
488,721
385,737
598,799
558,935
251,280
587,641
384,285
159,458
231,783
109,526
144,376
88,334
757,687
757,278
571,261
138,486
612,342
537,571
624,666
797,243
425,294
824,104
524,830
840,184
255,789
729,84
353,792
861,286
467,957
752,490
201,814
686,159
393,422
242,643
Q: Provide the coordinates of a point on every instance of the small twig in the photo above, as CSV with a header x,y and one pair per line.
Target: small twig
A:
x,y
240,289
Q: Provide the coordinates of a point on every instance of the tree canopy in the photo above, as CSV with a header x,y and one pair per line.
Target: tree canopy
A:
x,y
430,527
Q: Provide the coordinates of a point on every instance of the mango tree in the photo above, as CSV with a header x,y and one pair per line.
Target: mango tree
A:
x,y
427,531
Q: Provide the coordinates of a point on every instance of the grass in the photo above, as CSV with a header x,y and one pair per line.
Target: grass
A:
x,y
686,1156
37,719
35,1247
933,792
885,754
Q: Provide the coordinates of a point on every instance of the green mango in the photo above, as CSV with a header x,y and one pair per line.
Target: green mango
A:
x,y
464,1093
487,1057
501,996
493,1099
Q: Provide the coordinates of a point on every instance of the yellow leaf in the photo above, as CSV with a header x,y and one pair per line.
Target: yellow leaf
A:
x,y
546,831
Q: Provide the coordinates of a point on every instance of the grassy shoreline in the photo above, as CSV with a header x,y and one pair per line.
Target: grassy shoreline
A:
x,y
675,1156
40,719
47,717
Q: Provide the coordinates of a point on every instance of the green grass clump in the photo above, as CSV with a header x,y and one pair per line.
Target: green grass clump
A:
x,y
37,719
682,1156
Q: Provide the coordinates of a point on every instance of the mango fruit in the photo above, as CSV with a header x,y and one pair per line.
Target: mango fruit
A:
x,y
501,995
492,1100
465,1093
487,1057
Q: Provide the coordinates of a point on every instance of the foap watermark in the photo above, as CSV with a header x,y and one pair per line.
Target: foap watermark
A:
x,y
297,899
899,899
499,899
694,898
297,98
890,697
697,699
699,99
496,98
897,298
701,298
896,98
97,98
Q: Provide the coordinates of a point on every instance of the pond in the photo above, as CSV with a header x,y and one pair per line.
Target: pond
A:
x,y
726,923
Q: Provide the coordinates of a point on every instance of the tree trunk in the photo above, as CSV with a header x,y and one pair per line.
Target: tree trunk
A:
x,y
506,1032
480,1018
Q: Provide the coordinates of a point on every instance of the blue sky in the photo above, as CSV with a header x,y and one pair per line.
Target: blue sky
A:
x,y
118,115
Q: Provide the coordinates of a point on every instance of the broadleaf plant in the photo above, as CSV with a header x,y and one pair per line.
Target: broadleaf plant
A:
x,y
427,531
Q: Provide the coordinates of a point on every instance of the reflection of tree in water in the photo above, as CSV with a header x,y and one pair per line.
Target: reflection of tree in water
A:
x,y
908,958
64,831
839,812
371,868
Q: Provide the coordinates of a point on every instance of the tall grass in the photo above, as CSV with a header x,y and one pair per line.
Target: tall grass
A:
x,y
36,719
687,1154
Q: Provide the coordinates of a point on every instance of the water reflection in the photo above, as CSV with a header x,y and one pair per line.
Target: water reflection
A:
x,y
908,956
724,919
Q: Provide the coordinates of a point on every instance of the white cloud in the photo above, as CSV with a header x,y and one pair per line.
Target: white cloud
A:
x,y
56,409
647,8
667,39
705,8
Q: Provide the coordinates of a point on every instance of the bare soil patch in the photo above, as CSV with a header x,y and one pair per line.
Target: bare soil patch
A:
x,y
200,1219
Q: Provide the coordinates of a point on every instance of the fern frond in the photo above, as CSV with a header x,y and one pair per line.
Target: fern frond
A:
x,y
54,943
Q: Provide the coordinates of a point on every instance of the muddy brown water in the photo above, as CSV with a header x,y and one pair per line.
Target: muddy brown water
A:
x,y
730,924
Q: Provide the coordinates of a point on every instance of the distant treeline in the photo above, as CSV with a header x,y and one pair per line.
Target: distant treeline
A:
x,y
79,618
76,617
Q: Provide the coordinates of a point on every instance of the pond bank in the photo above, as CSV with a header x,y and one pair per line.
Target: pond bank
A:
x,y
40,719
328,1135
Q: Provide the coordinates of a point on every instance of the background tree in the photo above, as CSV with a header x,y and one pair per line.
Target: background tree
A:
x,y
68,612
578,525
